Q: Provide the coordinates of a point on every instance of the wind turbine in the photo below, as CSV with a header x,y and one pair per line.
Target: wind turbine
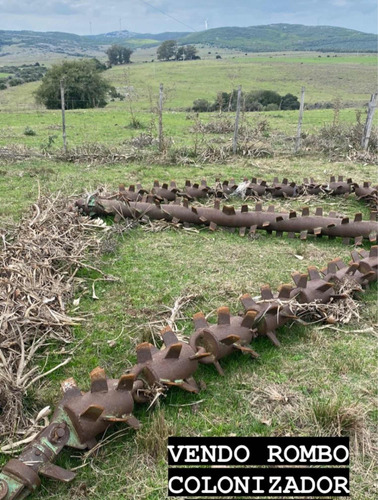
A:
x,y
206,24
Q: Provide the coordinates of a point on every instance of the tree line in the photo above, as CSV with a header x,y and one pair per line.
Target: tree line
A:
x,y
260,100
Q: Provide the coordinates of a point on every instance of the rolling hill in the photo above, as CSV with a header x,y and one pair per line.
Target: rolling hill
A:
x,y
267,38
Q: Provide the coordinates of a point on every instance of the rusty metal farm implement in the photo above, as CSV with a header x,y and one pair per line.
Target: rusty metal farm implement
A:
x,y
80,417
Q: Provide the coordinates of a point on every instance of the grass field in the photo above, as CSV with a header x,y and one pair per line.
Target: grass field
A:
x,y
322,381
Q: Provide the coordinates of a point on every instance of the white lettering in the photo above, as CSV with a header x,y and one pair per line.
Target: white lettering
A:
x,y
276,480
236,453
274,451
319,482
170,487
341,483
346,454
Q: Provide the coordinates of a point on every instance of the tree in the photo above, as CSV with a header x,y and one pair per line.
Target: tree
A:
x,y
118,55
167,50
180,54
83,84
190,52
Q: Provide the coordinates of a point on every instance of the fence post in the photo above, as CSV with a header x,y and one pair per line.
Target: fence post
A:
x,y
300,118
161,138
235,141
63,115
369,121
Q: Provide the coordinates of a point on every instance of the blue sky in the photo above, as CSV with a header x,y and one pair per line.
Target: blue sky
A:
x,y
155,16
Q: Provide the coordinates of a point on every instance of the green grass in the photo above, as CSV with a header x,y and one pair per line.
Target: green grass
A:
x,y
350,78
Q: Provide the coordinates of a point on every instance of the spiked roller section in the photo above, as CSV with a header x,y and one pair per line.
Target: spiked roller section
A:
x,y
339,186
172,366
165,192
243,219
231,333
285,189
78,419
271,312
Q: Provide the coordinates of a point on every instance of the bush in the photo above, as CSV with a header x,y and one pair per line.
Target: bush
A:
x,y
201,105
13,82
3,86
271,107
29,131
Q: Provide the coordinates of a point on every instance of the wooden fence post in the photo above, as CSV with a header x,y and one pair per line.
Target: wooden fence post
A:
x,y
63,115
161,138
300,118
369,121
236,131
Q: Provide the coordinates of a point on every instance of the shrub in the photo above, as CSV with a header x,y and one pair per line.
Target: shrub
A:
x,y
29,131
201,105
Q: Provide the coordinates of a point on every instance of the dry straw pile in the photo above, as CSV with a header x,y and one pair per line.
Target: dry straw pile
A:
x,y
39,261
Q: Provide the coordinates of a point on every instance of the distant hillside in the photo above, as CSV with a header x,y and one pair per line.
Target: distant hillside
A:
x,y
270,38
281,37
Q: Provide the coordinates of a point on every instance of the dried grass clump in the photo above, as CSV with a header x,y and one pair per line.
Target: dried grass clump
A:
x,y
96,153
38,264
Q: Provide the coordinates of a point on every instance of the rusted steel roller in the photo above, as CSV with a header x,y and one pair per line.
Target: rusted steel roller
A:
x,y
242,219
134,193
231,333
271,311
172,366
339,186
285,189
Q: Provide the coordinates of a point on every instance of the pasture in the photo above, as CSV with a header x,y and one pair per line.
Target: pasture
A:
x,y
321,381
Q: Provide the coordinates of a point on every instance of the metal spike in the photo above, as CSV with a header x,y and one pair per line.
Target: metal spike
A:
x,y
228,210
93,412
319,212
272,337
252,230
244,208
292,214
246,350
313,273
271,208
346,241
290,234
279,233
168,336
303,235
224,316
258,207
358,240
98,380
248,303
216,204
305,211
374,251
249,319
173,351
266,292
200,321
125,382
213,226
242,231
143,352
317,230
284,291
358,217
345,220
230,339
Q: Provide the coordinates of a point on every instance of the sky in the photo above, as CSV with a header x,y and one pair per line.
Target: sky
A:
x,y
155,16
